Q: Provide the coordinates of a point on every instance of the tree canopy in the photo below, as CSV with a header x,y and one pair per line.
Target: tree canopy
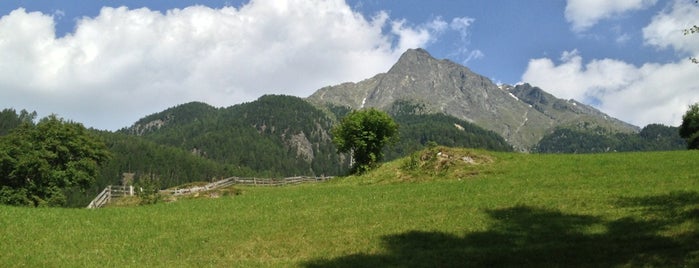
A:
x,y
689,130
10,119
39,162
364,133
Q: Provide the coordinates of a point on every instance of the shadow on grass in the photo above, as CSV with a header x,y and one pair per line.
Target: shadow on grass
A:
x,y
525,236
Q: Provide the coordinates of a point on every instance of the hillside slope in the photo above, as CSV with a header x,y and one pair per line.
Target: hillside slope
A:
x,y
274,135
287,136
497,210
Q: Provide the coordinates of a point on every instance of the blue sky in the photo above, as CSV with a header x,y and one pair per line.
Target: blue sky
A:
x,y
108,63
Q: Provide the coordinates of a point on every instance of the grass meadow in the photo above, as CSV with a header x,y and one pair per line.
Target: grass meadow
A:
x,y
464,208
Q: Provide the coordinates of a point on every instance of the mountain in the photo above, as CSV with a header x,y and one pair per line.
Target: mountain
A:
x,y
568,113
274,135
286,136
418,130
521,114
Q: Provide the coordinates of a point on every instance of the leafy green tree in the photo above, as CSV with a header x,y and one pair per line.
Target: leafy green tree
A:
x,y
39,162
10,119
148,189
364,133
689,130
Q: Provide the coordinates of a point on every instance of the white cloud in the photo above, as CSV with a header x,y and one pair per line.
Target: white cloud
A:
x,y
661,94
474,54
573,80
584,14
437,25
666,28
424,34
59,14
462,26
621,37
124,64
650,93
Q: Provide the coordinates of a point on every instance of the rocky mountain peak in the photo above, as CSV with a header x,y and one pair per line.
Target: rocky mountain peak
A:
x,y
522,114
419,62
413,59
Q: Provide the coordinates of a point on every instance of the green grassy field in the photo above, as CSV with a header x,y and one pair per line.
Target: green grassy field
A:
x,y
508,209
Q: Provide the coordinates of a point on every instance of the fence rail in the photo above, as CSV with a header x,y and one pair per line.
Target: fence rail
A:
x,y
246,181
109,192
113,191
101,199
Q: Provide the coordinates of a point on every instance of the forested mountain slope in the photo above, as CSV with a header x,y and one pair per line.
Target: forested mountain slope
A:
x,y
596,139
286,136
274,135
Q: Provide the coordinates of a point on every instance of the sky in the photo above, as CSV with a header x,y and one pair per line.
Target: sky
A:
x,y
107,64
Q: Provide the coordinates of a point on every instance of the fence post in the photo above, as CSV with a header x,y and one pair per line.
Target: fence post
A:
x,y
131,190
109,194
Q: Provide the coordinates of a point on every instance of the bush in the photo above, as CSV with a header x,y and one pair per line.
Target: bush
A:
x,y
148,190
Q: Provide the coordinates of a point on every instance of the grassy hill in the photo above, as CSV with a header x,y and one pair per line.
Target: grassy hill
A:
x,y
441,207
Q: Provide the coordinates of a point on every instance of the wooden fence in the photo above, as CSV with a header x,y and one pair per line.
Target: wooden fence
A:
x,y
112,191
278,182
246,181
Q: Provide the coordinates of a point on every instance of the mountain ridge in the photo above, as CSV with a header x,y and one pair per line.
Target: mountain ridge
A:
x,y
449,88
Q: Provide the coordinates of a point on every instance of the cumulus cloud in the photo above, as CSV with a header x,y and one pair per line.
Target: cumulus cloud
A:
x,y
666,28
650,93
126,63
583,14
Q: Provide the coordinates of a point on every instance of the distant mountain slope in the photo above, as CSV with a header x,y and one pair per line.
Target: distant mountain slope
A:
x,y
286,136
274,135
446,87
568,112
597,139
183,114
419,129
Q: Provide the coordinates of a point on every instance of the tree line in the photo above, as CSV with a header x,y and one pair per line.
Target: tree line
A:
x,y
54,162
654,137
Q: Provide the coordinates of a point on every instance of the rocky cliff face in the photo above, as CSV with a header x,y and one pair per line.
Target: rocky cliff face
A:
x,y
521,114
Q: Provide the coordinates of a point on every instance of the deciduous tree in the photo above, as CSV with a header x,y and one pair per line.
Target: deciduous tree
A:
x,y
38,162
689,130
364,133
